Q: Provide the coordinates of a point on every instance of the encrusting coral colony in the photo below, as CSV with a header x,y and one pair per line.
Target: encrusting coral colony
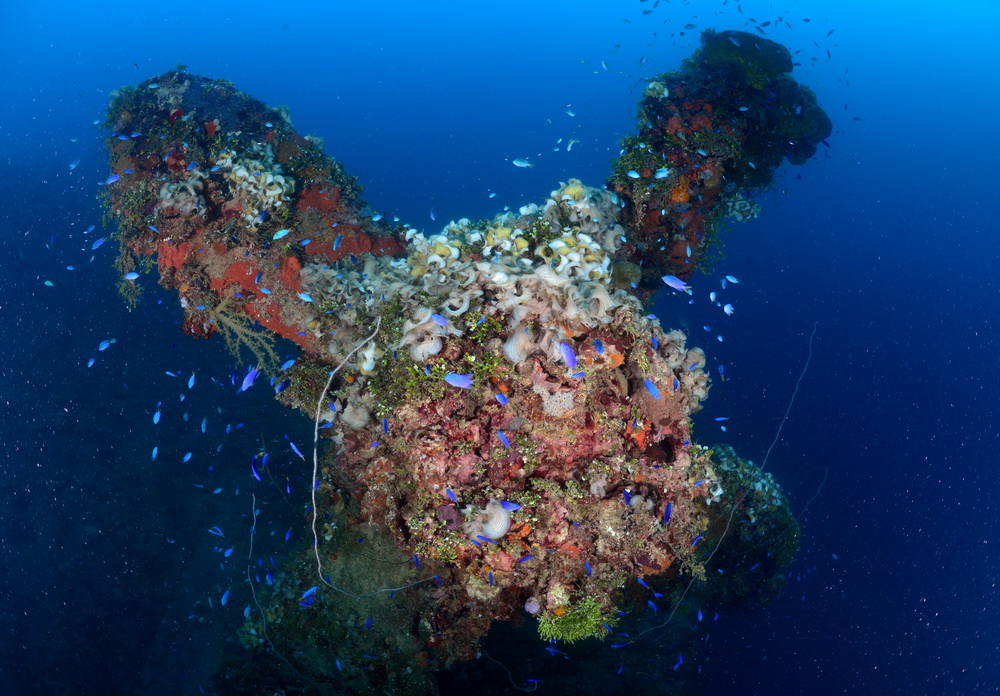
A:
x,y
519,425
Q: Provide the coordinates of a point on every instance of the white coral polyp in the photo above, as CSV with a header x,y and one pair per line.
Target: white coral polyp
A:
x,y
493,522
532,271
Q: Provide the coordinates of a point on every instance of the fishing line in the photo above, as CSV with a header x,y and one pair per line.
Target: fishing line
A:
x,y
732,511
532,686
263,616
826,471
319,411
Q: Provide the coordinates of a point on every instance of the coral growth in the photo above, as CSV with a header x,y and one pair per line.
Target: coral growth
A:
x,y
519,427
710,135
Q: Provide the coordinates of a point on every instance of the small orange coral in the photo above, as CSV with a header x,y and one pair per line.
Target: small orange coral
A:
x,y
679,193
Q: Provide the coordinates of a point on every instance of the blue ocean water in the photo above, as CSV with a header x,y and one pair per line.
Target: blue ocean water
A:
x,y
887,242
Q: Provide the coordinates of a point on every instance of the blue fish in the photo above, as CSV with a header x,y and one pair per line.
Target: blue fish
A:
x,y
155,451
112,179
296,450
305,297
191,381
131,276
460,381
279,234
249,379
451,494
676,283
568,355
225,597
97,243
667,513
503,439
502,399
509,506
187,457
587,566
336,242
651,388
598,346
287,364
439,320
310,592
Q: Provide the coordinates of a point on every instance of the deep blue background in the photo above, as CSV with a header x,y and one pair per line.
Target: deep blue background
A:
x,y
888,239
